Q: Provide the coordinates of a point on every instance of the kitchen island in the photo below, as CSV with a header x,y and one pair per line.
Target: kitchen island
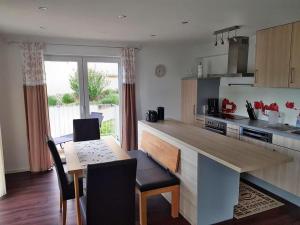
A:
x,y
210,168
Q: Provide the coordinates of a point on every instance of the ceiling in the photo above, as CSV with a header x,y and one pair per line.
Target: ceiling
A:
x,y
98,19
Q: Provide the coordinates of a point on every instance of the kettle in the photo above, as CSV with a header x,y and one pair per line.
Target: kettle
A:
x,y
151,116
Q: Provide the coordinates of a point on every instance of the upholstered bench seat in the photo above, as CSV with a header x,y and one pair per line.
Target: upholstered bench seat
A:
x,y
150,175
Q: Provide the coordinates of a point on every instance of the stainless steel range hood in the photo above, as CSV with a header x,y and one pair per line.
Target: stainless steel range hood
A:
x,y
237,58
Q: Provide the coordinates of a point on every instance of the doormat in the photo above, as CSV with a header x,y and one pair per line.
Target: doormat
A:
x,y
252,201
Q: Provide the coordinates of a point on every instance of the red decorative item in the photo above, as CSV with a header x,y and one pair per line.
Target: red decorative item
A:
x,y
258,105
227,106
290,105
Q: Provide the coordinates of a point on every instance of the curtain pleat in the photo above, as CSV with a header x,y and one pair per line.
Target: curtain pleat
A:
x,y
2,171
36,106
129,118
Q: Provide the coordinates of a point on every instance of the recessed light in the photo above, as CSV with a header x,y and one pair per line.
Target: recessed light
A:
x,y
153,35
43,8
185,22
122,16
42,27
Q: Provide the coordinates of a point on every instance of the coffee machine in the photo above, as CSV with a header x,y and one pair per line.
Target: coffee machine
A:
x,y
213,106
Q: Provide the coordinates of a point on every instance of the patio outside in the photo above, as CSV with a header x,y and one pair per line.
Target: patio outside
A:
x,y
64,96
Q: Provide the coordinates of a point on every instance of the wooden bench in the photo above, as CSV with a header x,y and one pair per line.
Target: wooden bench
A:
x,y
157,160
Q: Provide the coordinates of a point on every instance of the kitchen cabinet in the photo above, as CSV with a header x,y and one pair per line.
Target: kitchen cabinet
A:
x,y
294,81
200,121
273,52
285,175
188,100
233,131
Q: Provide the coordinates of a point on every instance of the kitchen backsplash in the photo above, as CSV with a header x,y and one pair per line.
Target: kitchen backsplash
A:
x,y
239,95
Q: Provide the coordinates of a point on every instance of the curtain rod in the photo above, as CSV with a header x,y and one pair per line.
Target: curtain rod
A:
x,y
75,45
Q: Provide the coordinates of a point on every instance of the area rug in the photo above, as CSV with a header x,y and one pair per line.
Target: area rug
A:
x,y
252,201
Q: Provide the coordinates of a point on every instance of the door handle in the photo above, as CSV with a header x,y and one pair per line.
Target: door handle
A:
x,y
292,75
194,109
255,76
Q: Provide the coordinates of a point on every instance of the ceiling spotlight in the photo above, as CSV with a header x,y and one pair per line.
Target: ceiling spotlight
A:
x,y
42,27
185,22
122,16
153,35
235,39
216,43
43,8
222,40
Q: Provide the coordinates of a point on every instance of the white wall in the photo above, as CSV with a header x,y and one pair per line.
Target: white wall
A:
x,y
165,91
12,117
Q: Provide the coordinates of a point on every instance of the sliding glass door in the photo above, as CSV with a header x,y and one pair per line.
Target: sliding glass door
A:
x,y
82,87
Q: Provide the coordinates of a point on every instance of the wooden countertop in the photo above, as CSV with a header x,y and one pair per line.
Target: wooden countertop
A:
x,y
235,154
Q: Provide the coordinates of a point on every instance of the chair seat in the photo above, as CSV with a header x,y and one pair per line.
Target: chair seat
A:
x,y
150,175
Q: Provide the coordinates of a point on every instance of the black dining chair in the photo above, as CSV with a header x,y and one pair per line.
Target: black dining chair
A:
x,y
86,129
65,181
110,193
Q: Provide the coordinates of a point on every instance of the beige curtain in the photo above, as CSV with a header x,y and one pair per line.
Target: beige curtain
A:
x,y
2,172
129,119
35,94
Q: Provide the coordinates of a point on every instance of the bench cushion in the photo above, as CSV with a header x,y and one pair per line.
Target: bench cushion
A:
x,y
150,175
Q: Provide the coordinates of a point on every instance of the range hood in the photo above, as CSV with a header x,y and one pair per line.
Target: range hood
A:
x,y
237,58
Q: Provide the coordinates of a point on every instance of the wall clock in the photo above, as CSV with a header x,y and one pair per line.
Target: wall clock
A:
x,y
160,70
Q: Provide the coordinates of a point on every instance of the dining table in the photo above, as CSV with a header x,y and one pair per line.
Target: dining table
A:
x,y
80,154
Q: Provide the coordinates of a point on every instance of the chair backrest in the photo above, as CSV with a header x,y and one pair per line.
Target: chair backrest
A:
x,y
97,115
86,129
111,193
61,175
166,154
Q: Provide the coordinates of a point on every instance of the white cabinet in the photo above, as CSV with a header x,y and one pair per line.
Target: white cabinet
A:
x,y
233,131
286,175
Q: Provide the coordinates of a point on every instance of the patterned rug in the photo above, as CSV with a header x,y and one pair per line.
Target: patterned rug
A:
x,y
252,201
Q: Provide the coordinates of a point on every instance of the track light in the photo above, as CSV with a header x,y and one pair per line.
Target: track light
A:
x,y
216,43
222,40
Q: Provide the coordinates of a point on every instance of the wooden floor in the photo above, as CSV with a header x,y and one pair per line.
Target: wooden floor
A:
x,y
32,199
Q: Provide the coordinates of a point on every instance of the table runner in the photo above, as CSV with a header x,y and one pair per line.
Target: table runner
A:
x,y
92,152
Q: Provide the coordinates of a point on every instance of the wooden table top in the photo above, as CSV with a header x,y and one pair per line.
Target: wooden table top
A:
x,y
235,154
72,161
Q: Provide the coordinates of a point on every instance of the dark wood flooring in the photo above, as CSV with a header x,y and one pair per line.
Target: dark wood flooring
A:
x,y
33,199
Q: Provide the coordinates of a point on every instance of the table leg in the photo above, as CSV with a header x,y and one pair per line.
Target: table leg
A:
x,y
76,187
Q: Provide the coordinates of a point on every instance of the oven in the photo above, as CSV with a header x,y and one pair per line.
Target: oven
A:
x,y
215,126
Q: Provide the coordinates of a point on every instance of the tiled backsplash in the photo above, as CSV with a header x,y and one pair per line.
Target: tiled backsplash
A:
x,y
239,95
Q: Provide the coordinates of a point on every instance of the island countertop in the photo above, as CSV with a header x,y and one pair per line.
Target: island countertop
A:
x,y
235,154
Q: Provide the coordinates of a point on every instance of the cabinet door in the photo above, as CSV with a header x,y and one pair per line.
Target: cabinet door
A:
x,y
295,57
273,47
188,100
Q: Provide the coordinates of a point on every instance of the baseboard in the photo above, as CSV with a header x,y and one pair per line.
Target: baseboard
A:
x,y
17,170
271,188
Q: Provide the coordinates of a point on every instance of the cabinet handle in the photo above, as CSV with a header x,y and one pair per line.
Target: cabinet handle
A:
x,y
194,109
255,76
292,75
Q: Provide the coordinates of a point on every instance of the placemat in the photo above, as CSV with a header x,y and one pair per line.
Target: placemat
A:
x,y
92,152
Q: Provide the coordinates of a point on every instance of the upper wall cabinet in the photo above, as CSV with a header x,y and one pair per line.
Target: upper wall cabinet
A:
x,y
273,53
295,57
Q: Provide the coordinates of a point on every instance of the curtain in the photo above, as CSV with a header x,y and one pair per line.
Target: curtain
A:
x,y
2,172
36,106
129,119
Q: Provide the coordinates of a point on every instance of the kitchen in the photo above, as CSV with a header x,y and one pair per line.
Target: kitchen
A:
x,y
220,102
222,78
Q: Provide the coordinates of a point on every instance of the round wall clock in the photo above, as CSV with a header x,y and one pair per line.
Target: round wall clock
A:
x,y
160,70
